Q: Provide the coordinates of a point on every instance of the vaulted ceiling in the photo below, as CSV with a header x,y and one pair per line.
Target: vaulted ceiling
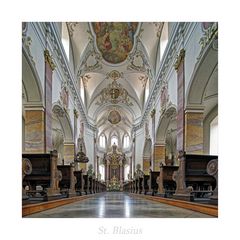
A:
x,y
114,60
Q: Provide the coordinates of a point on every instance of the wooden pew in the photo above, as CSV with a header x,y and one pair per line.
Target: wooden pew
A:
x,y
85,184
192,179
197,176
145,184
45,174
64,184
166,184
79,186
90,185
153,185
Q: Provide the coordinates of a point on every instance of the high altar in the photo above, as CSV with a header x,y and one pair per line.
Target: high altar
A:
x,y
114,162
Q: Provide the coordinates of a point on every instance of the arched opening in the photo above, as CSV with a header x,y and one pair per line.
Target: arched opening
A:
x,y
203,93
102,141
147,153
32,100
126,141
167,135
114,140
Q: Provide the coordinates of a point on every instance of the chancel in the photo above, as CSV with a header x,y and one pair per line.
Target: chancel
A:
x,y
120,119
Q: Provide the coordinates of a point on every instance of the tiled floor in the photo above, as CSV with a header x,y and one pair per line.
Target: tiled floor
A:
x,y
117,205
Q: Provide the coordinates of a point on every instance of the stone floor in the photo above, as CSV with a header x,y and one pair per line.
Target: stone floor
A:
x,y
117,205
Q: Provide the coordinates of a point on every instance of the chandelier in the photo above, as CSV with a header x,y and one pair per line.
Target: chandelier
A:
x,y
114,93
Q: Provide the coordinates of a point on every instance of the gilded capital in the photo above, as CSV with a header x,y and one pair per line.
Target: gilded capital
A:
x,y
179,59
152,114
49,59
76,114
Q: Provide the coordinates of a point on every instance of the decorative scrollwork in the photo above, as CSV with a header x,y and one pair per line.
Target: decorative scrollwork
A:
x,y
212,167
26,166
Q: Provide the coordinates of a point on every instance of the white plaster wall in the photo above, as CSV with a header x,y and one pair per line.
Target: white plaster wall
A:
x,y
70,111
139,145
56,86
192,48
172,86
37,52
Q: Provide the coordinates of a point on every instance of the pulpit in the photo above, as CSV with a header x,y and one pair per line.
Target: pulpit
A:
x,y
114,162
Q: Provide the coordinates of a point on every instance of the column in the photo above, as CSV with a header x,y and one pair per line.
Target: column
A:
x,y
97,172
73,181
155,161
130,168
194,130
76,115
49,67
159,156
55,176
179,176
34,130
68,151
133,158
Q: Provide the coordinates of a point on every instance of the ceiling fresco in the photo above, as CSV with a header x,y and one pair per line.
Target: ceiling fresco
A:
x,y
115,40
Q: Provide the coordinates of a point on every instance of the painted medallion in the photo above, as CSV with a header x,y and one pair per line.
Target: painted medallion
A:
x,y
115,39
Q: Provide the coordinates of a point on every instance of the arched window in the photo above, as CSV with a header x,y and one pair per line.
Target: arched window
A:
x,y
125,141
82,90
163,39
102,141
214,136
114,140
147,90
65,39
102,172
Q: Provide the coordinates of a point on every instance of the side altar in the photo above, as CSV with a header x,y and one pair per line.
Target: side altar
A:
x,y
114,162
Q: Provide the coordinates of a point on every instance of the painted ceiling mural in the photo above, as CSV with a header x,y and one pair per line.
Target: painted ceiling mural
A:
x,y
115,40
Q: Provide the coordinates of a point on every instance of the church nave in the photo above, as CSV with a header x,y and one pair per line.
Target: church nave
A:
x,y
117,205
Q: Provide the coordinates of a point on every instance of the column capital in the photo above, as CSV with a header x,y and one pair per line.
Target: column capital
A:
x,y
49,59
153,112
179,59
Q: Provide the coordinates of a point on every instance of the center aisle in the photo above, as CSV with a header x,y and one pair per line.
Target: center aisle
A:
x,y
117,205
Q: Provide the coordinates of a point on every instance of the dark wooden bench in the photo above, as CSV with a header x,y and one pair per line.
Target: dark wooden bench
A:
x,y
194,181
44,173
197,176
66,175
41,171
153,185
79,186
166,184
86,184
145,184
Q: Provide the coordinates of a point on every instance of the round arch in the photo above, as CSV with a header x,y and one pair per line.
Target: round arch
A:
x,y
65,122
31,83
169,117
